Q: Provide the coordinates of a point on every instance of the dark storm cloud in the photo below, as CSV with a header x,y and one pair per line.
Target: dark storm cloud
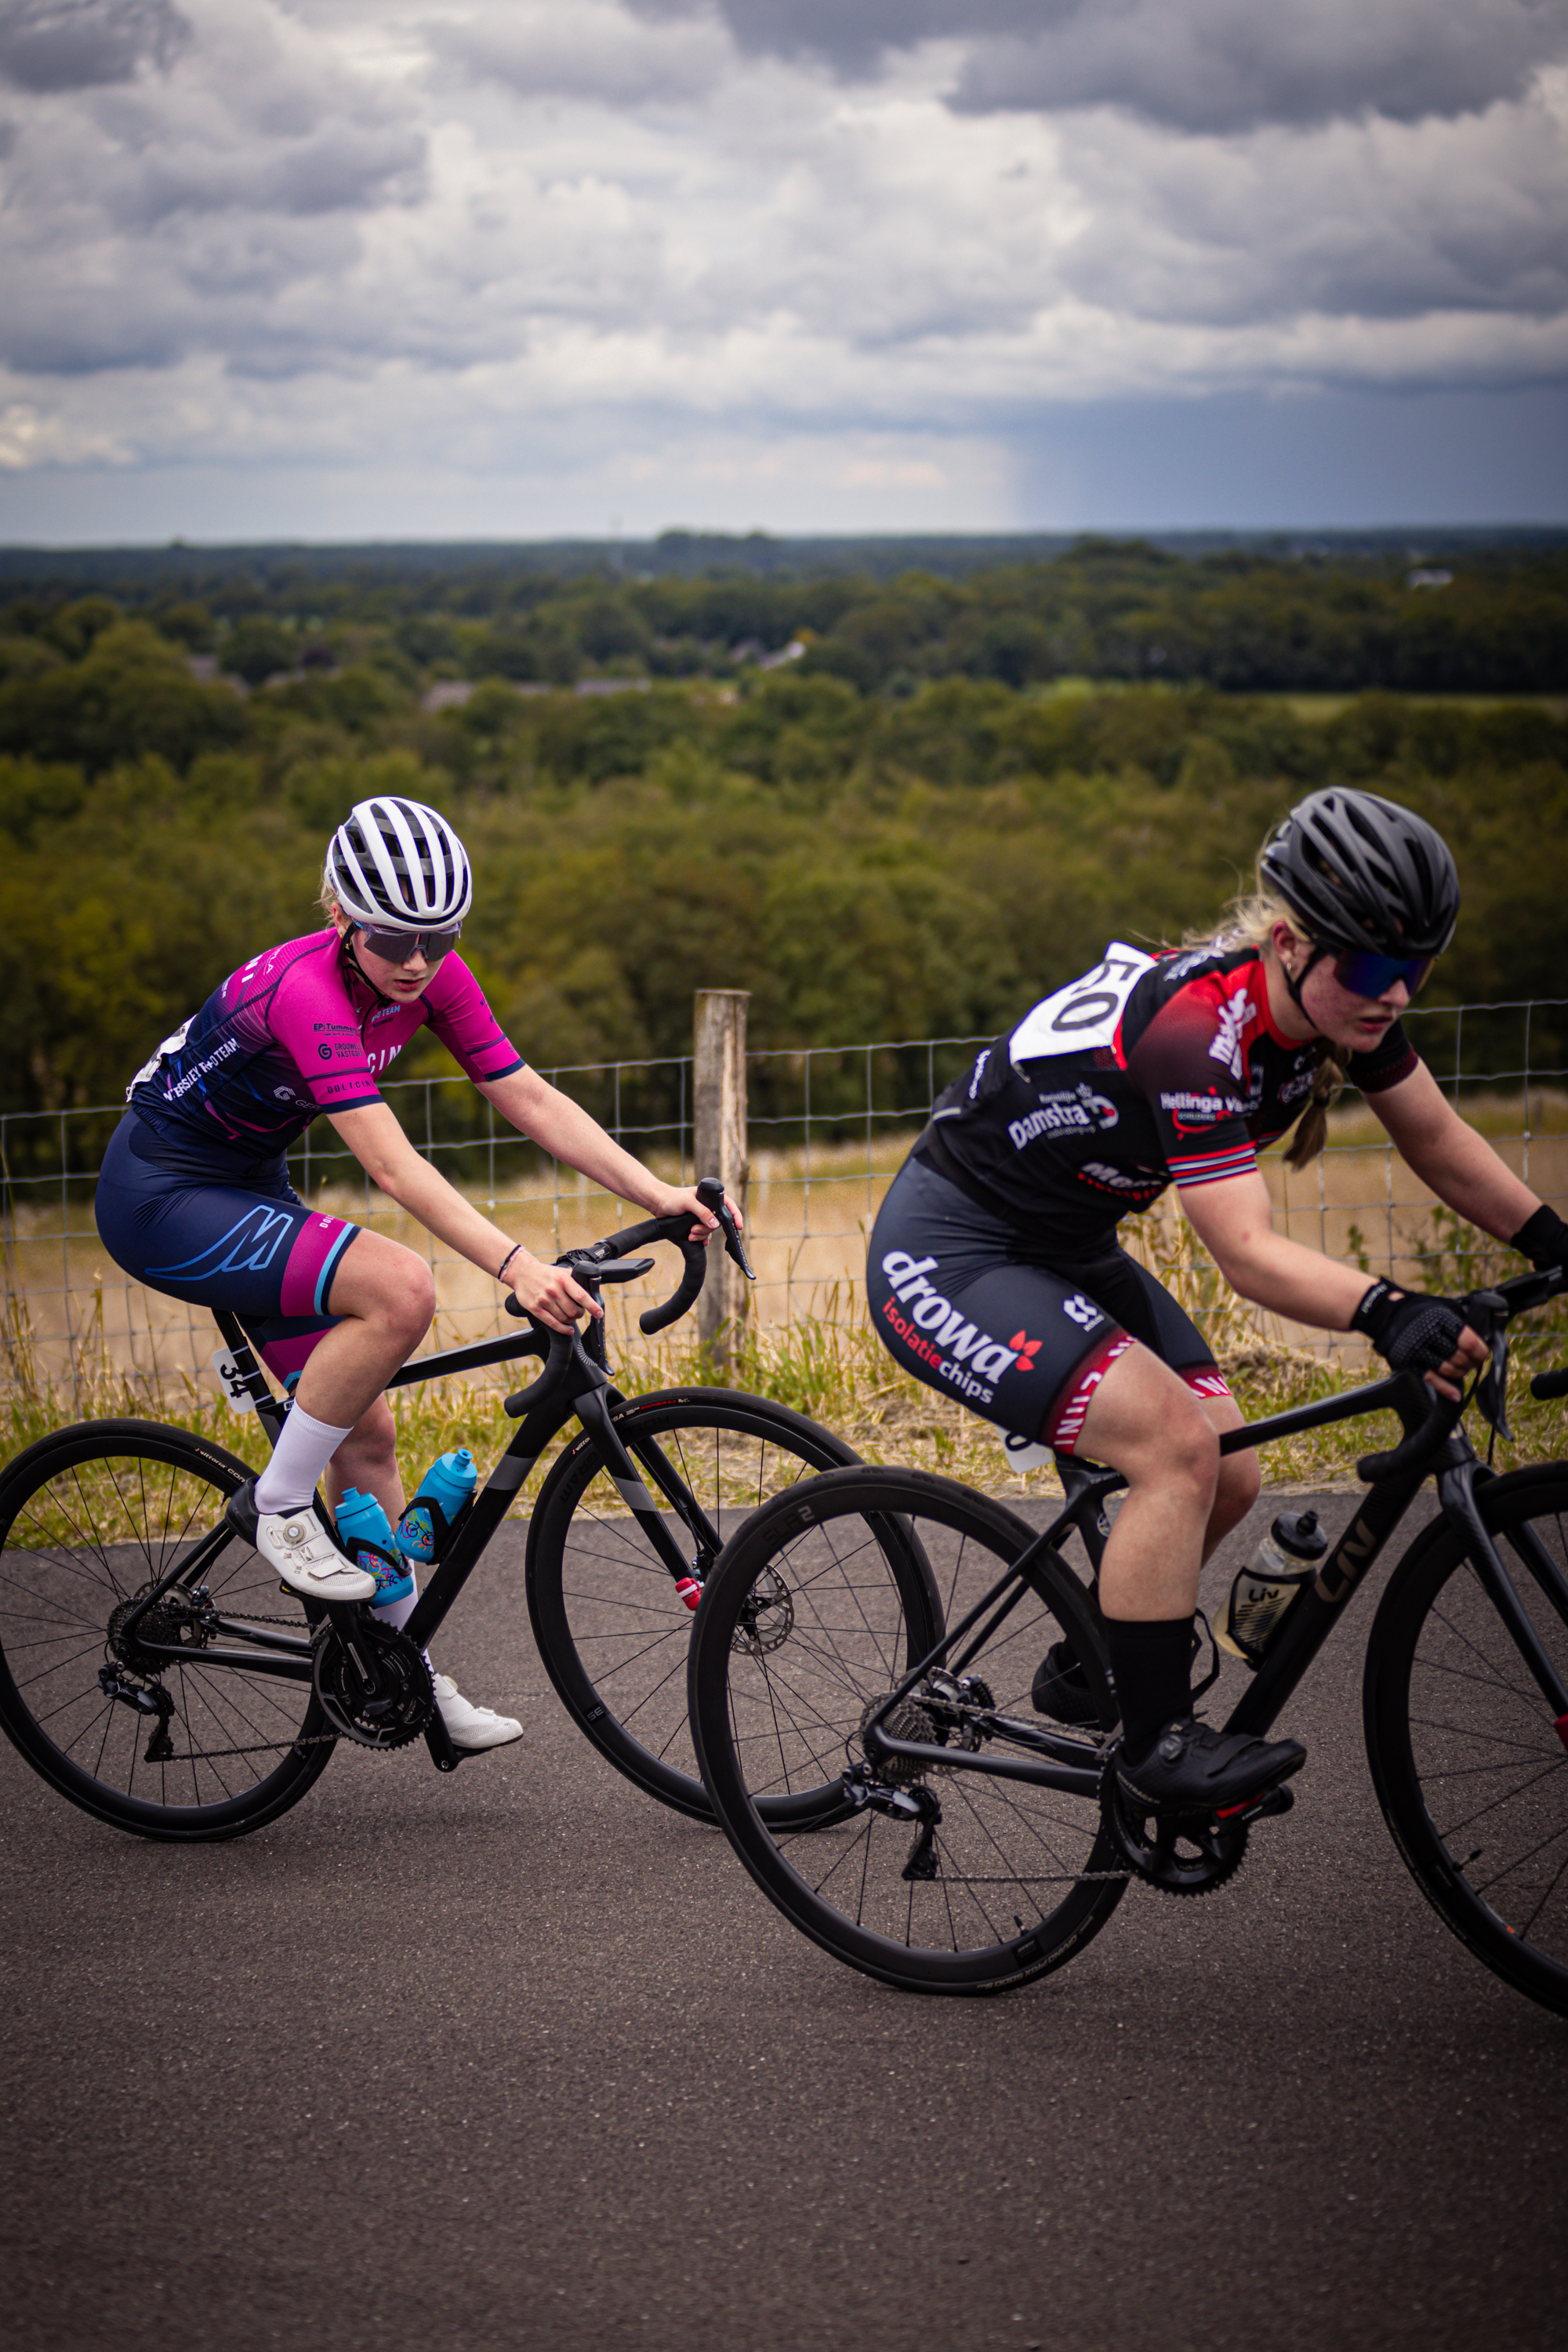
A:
x,y
59,45
1194,64
1223,66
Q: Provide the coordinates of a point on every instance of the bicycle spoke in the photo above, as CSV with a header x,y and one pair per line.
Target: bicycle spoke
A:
x,y
98,1518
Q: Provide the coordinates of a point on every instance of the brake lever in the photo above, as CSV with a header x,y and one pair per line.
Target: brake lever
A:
x,y
1491,1388
711,1193
1486,1311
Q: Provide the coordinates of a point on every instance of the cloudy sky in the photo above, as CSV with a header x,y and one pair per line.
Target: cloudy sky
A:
x,y
327,268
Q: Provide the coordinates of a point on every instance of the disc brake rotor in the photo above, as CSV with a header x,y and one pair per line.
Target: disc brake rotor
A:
x,y
766,1618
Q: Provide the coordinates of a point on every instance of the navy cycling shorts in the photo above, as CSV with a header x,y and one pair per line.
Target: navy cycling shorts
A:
x,y
1023,1344
252,1247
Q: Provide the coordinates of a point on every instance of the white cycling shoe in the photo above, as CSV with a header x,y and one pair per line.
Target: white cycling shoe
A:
x,y
472,1728
299,1549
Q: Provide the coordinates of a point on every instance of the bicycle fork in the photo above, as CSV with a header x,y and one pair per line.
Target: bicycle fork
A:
x,y
594,1415
1457,1493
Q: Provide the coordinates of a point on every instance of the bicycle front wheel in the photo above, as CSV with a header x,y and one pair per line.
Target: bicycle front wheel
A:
x,y
958,1877
610,1626
90,1518
1468,1762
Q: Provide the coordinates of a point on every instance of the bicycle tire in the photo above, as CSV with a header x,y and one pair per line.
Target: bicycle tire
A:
x,y
1469,1765
609,1625
1015,1878
87,1517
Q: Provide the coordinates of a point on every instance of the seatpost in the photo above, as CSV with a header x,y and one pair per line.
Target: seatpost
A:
x,y
244,1381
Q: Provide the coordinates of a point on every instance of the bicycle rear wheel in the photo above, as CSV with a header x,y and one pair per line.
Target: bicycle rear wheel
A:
x,y
1469,1763
88,1519
949,1878
610,1626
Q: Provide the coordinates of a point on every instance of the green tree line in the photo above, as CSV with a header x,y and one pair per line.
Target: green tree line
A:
x,y
871,867
1489,617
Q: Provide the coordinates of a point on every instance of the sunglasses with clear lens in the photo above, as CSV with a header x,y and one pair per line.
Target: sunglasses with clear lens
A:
x,y
1366,974
402,947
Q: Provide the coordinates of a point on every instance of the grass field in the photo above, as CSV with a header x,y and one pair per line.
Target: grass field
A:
x,y
808,1340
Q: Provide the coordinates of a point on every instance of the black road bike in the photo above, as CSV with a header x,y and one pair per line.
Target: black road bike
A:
x,y
154,1670
876,1758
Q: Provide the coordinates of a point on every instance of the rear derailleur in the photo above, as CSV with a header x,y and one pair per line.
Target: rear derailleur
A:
x,y
143,1697
913,1802
940,1711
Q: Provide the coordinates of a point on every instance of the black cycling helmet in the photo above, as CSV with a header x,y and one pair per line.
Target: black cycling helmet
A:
x,y
1363,873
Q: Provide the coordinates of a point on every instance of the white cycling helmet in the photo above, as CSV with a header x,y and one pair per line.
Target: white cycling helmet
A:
x,y
398,865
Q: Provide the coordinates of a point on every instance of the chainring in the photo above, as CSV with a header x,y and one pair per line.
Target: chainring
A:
x,y
1190,1855
374,1684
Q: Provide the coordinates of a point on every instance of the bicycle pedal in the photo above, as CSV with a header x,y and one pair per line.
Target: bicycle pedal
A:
x,y
1259,1808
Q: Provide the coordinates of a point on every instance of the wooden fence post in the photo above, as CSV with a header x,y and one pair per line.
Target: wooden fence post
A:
x,y
719,1140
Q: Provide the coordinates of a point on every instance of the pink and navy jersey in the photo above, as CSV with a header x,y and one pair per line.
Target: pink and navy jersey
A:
x,y
294,1032
1144,1072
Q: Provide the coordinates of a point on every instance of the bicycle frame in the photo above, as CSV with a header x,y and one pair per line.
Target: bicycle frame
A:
x,y
585,1393
1058,1759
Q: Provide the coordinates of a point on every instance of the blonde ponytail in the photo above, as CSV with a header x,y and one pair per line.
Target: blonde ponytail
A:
x,y
1312,1126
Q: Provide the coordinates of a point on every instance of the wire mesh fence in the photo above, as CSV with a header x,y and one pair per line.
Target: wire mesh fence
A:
x,y
827,1128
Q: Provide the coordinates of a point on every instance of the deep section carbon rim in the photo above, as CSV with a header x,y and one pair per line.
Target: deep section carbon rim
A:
x,y
1470,1764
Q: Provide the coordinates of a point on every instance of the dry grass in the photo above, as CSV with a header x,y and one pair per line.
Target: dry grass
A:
x,y
832,1367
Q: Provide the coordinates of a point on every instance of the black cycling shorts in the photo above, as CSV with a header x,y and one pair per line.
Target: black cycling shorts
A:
x,y
1023,1344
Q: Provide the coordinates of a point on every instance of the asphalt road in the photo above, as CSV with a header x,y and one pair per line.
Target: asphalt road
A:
x,y
516,2058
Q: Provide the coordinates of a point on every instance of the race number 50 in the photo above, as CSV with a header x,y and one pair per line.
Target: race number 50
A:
x,y
1086,1012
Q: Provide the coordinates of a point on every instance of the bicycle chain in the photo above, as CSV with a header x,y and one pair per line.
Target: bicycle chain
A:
x,y
268,1746
263,1748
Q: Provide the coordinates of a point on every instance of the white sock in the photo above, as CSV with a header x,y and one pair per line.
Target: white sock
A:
x,y
396,1613
300,1455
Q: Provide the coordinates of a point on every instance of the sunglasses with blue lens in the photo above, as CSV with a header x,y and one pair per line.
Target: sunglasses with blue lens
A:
x,y
402,947
1365,973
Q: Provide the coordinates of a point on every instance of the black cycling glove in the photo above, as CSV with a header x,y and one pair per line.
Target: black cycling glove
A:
x,y
1412,1330
1543,1239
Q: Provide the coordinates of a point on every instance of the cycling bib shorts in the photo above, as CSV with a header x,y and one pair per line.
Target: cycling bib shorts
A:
x,y
1023,1344
254,1248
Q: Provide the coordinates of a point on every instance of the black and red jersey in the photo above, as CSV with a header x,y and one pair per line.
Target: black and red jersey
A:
x,y
1146,1071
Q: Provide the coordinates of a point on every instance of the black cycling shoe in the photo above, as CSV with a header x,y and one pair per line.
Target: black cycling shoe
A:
x,y
1062,1688
1191,1769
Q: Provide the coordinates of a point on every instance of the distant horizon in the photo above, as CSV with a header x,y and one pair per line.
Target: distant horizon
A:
x,y
1192,538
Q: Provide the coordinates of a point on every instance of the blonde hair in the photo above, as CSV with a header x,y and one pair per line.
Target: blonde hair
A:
x,y
1248,923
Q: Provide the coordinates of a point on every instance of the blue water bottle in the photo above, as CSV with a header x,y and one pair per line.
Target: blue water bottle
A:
x,y
443,1495
365,1533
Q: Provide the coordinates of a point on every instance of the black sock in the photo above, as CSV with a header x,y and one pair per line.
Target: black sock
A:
x,y
1152,1663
